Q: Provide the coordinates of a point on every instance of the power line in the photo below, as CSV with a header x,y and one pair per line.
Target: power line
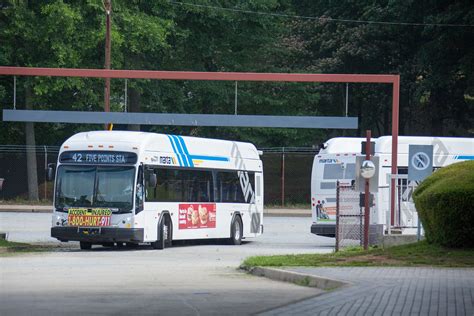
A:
x,y
323,19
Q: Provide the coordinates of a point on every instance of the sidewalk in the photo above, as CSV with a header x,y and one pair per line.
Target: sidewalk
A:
x,y
388,291
26,208
49,209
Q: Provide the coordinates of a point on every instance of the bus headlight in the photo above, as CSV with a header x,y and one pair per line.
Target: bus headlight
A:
x,y
58,220
127,222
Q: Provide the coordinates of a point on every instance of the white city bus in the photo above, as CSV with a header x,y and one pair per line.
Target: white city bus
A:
x,y
116,187
336,161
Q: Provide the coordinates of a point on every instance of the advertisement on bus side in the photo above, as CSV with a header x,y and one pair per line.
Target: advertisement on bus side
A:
x,y
195,216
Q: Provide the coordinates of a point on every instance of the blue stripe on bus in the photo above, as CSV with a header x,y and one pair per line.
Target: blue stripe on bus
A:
x,y
191,157
184,157
180,150
465,157
174,149
212,158
186,152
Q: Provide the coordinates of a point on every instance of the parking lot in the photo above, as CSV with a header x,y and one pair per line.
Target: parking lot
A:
x,y
189,278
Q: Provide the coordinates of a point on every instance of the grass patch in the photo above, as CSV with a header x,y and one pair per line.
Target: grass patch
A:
x,y
416,254
8,247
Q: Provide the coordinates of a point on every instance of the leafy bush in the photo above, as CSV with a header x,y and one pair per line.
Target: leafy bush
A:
x,y
445,205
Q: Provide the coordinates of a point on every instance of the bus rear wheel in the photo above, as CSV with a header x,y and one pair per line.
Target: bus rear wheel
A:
x,y
236,231
85,245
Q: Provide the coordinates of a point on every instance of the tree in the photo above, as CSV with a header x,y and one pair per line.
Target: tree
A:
x,y
434,61
63,36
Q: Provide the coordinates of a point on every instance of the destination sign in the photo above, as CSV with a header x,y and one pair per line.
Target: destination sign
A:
x,y
98,157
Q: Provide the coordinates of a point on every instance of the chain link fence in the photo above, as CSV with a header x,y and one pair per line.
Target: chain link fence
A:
x,y
349,217
13,171
287,173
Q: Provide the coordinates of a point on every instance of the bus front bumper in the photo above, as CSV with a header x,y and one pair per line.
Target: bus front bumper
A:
x,y
97,234
326,230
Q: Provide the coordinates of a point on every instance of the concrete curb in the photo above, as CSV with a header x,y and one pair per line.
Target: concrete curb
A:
x,y
326,284
26,208
284,213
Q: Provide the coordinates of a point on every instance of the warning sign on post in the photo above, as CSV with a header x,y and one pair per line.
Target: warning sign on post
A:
x,y
420,162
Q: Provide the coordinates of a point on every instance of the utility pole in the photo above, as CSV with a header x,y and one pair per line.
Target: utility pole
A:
x,y
368,152
108,12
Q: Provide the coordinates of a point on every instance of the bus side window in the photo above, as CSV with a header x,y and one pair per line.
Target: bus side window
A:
x,y
202,186
333,171
216,187
349,172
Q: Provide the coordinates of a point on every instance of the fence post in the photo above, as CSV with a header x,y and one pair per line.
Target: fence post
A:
x,y
45,173
367,192
337,215
361,226
283,177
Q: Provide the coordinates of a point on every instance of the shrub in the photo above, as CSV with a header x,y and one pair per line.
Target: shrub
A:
x,y
445,205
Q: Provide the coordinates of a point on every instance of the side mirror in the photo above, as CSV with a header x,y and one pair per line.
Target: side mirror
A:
x,y
152,181
50,172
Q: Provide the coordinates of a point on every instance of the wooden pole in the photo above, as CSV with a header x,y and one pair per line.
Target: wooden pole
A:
x,y
108,11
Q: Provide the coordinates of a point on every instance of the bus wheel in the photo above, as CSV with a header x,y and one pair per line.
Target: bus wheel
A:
x,y
85,245
160,243
236,231
168,232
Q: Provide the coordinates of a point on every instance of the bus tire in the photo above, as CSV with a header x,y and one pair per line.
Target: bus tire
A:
x,y
169,232
84,245
236,230
164,232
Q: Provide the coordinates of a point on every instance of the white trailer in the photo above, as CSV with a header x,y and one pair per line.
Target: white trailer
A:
x,y
336,162
136,187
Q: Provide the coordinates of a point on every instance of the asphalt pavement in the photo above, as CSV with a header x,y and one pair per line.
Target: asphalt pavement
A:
x,y
202,279
198,278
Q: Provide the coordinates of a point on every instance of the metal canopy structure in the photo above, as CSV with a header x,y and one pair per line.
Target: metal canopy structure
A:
x,y
194,75
394,80
180,119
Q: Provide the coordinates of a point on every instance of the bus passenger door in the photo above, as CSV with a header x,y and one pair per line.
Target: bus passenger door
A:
x,y
257,219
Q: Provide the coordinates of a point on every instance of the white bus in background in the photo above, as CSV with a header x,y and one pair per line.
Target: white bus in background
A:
x,y
117,187
336,161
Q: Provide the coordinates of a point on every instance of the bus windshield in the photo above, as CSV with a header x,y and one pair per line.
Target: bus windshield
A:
x,y
94,187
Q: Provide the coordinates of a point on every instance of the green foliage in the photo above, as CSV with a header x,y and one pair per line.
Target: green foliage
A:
x,y
436,64
444,202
